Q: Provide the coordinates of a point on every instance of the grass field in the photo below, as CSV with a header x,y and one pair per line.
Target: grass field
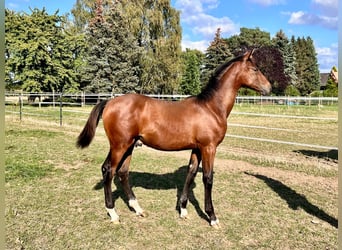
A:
x,y
267,196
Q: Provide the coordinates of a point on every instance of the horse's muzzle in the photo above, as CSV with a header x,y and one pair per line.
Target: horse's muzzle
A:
x,y
266,90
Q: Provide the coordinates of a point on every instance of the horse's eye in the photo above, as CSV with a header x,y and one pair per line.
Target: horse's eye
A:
x,y
255,69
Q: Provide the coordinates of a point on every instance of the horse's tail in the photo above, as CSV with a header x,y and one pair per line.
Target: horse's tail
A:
x,y
88,132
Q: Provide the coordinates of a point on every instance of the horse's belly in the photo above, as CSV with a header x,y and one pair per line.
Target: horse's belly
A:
x,y
168,141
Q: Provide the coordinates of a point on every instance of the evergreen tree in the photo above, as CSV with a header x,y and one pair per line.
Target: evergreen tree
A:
x,y
288,55
38,55
306,65
96,74
217,53
113,55
123,53
191,82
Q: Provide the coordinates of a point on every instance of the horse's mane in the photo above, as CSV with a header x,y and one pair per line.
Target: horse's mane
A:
x,y
213,84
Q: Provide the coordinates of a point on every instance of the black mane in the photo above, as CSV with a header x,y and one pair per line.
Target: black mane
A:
x,y
213,84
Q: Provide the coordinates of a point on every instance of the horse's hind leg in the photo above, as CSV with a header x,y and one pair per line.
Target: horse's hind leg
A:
x,y
194,162
108,174
123,173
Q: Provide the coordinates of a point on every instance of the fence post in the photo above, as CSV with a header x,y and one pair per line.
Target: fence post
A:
x,y
60,109
53,98
82,99
20,106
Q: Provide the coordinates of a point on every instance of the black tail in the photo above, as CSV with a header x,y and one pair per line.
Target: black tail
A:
x,y
88,132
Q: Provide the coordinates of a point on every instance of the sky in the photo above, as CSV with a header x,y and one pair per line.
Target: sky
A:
x,y
201,18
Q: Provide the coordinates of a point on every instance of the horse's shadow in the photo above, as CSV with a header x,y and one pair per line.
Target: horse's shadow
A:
x,y
295,200
327,155
154,181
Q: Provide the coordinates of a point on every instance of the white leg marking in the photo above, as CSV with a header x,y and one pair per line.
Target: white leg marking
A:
x,y
114,217
135,205
184,213
215,223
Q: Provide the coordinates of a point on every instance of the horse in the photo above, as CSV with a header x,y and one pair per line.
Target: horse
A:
x,y
197,123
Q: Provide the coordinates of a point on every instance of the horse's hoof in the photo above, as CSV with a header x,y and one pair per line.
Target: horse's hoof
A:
x,y
184,217
142,214
115,222
215,224
184,213
114,217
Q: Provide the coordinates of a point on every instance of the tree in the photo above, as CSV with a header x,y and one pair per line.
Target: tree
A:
x,y
247,39
288,54
113,57
191,76
156,27
38,55
269,61
332,84
82,13
306,65
217,53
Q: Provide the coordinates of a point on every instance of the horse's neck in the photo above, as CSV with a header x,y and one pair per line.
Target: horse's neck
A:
x,y
224,98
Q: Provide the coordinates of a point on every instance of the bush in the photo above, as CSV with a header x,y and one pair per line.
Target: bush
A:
x,y
291,91
317,93
331,89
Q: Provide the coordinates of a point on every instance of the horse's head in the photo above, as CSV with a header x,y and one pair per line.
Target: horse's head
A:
x,y
251,77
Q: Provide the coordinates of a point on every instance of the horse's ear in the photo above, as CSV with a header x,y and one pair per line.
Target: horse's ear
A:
x,y
250,54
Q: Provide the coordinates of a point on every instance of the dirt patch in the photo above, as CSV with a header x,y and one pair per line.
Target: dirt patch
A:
x,y
290,177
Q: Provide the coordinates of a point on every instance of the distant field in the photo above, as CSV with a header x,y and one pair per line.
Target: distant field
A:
x,y
266,195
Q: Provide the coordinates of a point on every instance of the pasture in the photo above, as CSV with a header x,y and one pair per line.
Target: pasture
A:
x,y
266,195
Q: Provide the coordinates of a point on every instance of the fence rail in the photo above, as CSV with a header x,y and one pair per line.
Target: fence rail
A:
x,y
60,103
81,99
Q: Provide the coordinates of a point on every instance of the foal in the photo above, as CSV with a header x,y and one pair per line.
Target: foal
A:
x,y
198,123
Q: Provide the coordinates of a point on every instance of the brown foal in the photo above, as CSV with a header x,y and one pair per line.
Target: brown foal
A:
x,y
197,123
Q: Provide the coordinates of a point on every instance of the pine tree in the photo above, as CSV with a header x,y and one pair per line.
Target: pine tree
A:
x,y
96,75
123,53
112,61
288,55
217,53
306,65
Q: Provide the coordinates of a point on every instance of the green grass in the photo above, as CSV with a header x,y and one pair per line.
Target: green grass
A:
x,y
267,196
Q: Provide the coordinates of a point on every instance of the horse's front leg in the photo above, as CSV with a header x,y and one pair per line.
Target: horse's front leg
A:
x,y
208,155
195,160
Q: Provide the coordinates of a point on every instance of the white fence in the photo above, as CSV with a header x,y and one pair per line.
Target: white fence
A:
x,y
81,99
63,100
288,100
